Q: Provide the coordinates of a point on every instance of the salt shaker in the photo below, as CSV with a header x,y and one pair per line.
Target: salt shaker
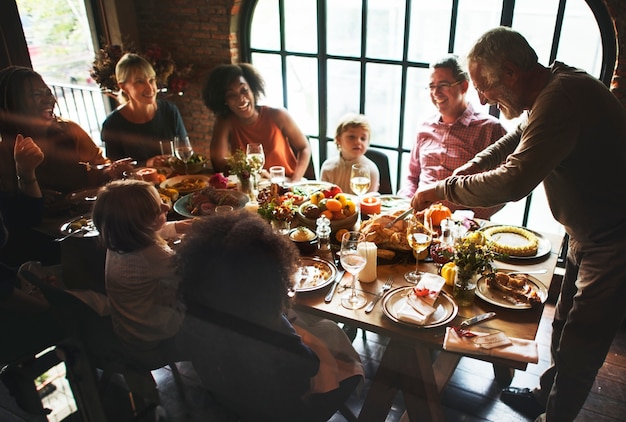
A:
x,y
323,233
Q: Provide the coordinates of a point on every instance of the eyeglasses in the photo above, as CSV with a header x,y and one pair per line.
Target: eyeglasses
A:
x,y
444,86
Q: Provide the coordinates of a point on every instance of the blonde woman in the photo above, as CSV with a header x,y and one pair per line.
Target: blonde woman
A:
x,y
135,128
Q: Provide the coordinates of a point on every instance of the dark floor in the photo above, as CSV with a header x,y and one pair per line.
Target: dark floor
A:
x,y
471,395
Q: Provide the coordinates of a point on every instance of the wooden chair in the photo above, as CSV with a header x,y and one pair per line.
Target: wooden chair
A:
x,y
101,346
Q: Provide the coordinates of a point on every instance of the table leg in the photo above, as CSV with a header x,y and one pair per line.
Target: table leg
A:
x,y
408,368
503,374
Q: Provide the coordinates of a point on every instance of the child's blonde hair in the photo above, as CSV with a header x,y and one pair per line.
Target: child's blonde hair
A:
x,y
351,120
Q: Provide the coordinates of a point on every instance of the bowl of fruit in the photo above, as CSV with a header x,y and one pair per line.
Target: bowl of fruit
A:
x,y
195,164
339,208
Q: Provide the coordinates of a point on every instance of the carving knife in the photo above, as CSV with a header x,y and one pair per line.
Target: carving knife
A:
x,y
398,218
477,319
331,292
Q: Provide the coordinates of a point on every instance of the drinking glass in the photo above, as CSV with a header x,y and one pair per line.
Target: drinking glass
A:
x,y
277,175
352,262
256,159
183,150
420,235
167,148
359,181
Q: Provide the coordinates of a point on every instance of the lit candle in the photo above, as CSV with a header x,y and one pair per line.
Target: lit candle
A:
x,y
368,250
370,205
148,174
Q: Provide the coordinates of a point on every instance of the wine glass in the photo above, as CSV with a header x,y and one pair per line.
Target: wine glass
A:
x,y
359,181
353,263
420,235
256,159
183,150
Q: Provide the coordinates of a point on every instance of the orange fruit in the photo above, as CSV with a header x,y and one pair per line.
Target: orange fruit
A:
x,y
317,197
334,205
328,214
349,208
340,234
341,197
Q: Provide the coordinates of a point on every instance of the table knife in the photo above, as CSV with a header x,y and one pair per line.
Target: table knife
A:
x,y
331,292
477,319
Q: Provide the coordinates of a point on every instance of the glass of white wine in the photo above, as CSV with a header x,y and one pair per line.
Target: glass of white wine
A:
x,y
256,159
353,262
360,181
183,150
419,235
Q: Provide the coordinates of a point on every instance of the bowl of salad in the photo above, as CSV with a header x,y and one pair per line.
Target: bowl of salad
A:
x,y
196,164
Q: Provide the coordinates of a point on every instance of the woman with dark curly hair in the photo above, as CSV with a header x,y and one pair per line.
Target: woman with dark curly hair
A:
x,y
236,272
232,93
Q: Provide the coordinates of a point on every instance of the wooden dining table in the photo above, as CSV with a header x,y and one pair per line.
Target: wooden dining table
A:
x,y
414,361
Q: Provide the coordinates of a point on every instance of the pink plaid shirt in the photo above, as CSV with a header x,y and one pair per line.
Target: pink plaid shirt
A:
x,y
440,148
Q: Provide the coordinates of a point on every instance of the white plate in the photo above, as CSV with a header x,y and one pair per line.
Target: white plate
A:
x,y
542,251
445,308
309,186
319,274
498,298
180,206
86,230
201,182
392,203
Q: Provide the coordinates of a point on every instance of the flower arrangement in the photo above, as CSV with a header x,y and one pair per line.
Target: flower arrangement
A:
x,y
471,256
274,205
239,165
169,76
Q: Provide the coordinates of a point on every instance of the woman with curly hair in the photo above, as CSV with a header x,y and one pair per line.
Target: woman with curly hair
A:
x,y
232,93
137,126
258,360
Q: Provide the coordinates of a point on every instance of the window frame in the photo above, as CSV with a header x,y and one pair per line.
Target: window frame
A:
x,y
597,7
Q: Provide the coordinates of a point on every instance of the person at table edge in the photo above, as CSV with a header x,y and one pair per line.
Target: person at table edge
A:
x,y
574,140
451,137
232,93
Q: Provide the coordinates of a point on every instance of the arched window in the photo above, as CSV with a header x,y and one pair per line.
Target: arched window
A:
x,y
321,59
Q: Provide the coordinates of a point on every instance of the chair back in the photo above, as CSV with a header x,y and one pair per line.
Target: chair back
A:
x,y
382,162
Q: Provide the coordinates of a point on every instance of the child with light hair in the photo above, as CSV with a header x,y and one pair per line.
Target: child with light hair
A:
x,y
352,138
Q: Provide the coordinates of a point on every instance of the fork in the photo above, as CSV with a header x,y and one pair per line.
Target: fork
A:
x,y
380,294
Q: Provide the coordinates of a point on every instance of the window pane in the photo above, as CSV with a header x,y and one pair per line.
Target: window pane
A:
x,y
265,28
385,29
382,102
474,18
302,90
430,30
343,91
417,106
580,33
269,67
535,19
344,28
301,26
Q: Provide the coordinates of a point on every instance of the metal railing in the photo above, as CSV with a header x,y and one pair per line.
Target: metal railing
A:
x,y
85,105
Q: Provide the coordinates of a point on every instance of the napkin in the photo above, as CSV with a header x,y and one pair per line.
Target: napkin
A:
x,y
516,349
415,312
431,282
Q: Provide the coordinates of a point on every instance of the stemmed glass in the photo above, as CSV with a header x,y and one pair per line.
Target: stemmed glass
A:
x,y
420,235
256,159
359,181
183,150
353,263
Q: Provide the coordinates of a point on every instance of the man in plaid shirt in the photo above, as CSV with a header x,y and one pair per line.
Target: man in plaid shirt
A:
x,y
452,137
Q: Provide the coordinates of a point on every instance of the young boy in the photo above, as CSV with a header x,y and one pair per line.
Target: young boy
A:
x,y
352,138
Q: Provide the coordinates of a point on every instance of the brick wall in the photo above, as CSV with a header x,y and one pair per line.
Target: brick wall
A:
x,y
203,33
